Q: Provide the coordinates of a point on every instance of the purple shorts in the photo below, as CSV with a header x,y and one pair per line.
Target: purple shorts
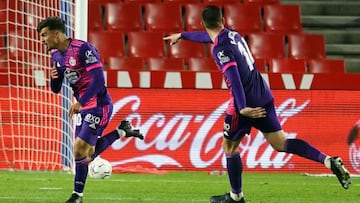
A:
x,y
91,123
237,126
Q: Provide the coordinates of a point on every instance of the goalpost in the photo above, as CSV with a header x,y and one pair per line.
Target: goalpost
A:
x,y
35,130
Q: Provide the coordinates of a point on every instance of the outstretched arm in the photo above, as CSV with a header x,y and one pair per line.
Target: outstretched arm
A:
x,y
196,36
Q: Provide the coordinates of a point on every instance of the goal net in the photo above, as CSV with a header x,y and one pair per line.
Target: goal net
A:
x,y
35,131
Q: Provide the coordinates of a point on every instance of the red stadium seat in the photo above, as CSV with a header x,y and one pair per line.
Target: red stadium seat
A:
x,y
186,49
326,66
220,2
261,2
182,1
123,17
266,45
163,17
285,19
261,65
108,44
286,65
167,64
192,17
126,63
306,46
146,44
142,1
202,64
95,17
243,18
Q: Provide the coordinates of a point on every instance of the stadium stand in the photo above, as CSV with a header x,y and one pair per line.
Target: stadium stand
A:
x,y
306,46
187,49
243,18
192,17
108,44
266,45
126,63
146,44
283,19
162,63
261,2
286,65
326,66
338,22
163,17
125,17
201,64
261,65
95,16
182,1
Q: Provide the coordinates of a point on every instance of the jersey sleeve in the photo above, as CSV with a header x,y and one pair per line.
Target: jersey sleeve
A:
x,y
197,36
91,61
225,59
55,84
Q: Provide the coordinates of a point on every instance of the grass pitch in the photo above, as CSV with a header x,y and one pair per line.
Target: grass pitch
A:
x,y
174,187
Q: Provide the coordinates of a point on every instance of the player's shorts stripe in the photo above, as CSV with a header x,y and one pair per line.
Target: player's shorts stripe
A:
x,y
105,116
96,65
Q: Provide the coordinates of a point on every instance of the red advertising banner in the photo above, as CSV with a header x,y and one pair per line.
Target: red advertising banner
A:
x,y
183,129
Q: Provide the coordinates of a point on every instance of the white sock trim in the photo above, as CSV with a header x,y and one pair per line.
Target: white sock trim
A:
x,y
327,162
236,197
121,133
78,193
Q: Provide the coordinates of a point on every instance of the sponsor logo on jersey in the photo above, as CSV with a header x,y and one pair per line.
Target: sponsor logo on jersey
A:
x,y
72,76
92,119
90,58
222,58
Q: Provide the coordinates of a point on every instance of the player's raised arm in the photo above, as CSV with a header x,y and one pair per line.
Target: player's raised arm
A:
x,y
196,36
56,79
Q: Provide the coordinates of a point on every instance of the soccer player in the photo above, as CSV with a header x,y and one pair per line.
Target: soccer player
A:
x,y
79,62
251,104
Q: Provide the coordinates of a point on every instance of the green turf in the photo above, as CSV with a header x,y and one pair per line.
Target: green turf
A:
x,y
175,187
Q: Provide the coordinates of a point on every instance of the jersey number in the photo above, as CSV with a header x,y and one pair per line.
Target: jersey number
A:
x,y
244,50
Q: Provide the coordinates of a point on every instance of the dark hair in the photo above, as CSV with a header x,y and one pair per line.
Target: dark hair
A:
x,y
52,23
211,16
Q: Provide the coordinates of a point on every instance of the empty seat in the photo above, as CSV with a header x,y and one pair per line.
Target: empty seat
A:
x,y
261,2
283,19
266,45
306,46
220,2
123,17
286,65
146,44
182,1
243,18
326,66
186,49
192,17
261,65
126,63
163,17
108,44
142,1
165,64
95,17
202,64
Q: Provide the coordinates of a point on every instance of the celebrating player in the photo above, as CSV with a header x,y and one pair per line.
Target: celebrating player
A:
x,y
251,104
79,62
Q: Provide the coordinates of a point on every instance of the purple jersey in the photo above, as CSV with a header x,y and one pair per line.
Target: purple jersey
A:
x,y
235,62
80,65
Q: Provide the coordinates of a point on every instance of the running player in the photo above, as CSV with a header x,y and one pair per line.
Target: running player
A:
x,y
251,104
79,62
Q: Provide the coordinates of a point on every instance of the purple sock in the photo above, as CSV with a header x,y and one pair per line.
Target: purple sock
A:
x,y
104,142
81,171
304,149
234,167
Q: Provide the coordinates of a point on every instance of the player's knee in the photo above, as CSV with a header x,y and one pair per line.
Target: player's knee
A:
x,y
230,147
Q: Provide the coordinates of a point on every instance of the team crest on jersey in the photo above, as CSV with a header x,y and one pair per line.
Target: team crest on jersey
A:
x,y
222,58
90,58
72,61
72,76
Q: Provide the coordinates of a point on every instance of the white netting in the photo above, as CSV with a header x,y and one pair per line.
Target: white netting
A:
x,y
34,135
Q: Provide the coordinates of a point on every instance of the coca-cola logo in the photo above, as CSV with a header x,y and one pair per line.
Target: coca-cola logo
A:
x,y
175,132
